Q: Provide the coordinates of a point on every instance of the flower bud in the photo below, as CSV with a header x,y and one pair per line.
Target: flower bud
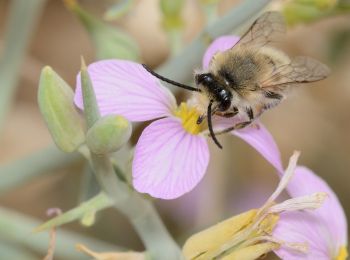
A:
x,y
172,13
108,134
56,104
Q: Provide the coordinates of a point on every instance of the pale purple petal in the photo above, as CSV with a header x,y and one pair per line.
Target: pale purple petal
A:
x,y
168,161
261,140
126,88
220,44
303,227
324,229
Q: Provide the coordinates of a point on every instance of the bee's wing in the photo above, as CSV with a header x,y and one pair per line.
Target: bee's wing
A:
x,y
300,70
266,29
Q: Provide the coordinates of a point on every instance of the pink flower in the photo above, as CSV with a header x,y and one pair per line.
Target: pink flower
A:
x,y
171,155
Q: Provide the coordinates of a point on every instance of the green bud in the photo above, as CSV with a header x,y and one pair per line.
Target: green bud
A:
x,y
171,10
88,219
110,42
108,134
171,7
56,104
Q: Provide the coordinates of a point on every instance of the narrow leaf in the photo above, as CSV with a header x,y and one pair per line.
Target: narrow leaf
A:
x,y
97,203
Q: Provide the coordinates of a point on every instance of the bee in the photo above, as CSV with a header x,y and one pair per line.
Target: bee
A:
x,y
252,76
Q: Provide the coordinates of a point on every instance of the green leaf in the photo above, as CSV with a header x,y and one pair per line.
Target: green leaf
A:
x,y
108,134
110,42
97,203
56,104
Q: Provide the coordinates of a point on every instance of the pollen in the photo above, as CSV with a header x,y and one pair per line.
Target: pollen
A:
x,y
343,253
189,116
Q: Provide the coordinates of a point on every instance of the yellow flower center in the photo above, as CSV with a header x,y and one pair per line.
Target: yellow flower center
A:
x,y
189,117
343,253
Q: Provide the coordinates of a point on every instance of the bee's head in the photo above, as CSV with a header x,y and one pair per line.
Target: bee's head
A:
x,y
221,95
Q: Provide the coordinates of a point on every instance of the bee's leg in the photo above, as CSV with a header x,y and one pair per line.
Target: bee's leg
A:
x,y
241,125
235,127
228,114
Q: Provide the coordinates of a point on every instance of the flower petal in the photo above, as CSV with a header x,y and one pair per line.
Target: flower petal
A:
x,y
302,227
325,229
220,44
126,88
169,161
261,139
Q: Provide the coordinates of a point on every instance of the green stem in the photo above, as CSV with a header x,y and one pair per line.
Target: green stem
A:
x,y
88,186
13,251
42,162
22,20
17,228
181,66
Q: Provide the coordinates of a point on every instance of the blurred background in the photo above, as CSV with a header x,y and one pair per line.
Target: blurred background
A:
x,y
34,176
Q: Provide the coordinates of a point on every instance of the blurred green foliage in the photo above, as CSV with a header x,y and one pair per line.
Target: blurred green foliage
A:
x,y
305,11
118,10
110,42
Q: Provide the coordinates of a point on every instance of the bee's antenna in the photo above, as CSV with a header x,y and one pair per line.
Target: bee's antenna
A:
x,y
169,80
210,126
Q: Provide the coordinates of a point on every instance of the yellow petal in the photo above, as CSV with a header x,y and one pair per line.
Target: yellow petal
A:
x,y
212,238
111,255
251,252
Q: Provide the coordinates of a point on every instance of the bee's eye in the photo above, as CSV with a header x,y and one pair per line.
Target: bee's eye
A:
x,y
225,100
204,79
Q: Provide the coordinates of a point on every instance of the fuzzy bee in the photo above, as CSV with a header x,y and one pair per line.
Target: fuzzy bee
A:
x,y
252,76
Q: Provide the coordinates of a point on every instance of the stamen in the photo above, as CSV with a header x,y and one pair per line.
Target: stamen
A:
x,y
189,116
288,174
313,201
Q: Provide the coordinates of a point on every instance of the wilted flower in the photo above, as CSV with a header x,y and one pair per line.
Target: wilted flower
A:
x,y
250,234
171,155
111,255
324,230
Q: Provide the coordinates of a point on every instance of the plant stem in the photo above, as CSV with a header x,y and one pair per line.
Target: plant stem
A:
x,y
17,228
41,162
181,67
22,20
